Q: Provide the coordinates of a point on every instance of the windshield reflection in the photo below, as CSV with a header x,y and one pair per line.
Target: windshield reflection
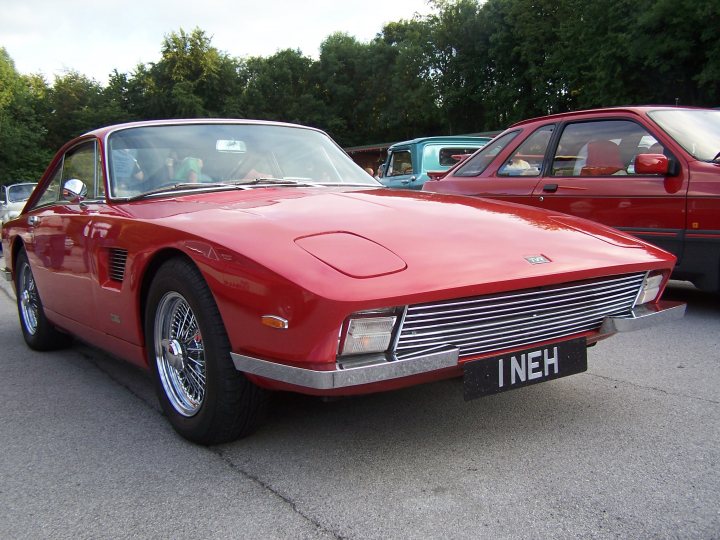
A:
x,y
697,131
154,159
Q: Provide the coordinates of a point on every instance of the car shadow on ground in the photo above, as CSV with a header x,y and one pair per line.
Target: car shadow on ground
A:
x,y
698,301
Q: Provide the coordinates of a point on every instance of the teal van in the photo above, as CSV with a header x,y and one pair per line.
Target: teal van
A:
x,y
408,162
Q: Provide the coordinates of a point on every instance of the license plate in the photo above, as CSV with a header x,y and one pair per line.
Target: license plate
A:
x,y
522,368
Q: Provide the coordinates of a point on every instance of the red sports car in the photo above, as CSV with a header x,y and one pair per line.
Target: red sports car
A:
x,y
235,257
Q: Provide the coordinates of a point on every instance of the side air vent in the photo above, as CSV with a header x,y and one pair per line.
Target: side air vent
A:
x,y
118,259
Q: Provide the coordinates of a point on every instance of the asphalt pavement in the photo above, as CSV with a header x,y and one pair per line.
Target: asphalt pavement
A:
x,y
628,449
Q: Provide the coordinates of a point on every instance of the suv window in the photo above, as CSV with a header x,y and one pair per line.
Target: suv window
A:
x,y
602,148
400,163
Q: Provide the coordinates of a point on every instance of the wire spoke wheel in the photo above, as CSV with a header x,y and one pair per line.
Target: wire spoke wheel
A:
x,y
180,354
29,300
204,397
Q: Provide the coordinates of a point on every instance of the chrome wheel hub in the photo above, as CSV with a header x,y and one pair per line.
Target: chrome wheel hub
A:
x,y
174,353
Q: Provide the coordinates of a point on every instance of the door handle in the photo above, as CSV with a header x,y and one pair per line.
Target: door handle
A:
x,y
550,188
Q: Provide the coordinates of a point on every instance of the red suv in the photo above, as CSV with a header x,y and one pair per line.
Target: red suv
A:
x,y
651,171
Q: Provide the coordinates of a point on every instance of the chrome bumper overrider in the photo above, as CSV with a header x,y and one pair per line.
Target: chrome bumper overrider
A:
x,y
644,316
376,368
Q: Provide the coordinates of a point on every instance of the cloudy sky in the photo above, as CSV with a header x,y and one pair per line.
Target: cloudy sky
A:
x,y
94,37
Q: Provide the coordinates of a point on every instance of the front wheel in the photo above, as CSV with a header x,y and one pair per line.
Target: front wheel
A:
x,y
39,333
205,398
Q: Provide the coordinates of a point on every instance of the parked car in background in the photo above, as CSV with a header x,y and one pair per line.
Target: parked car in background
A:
x,y
408,162
235,257
651,171
13,199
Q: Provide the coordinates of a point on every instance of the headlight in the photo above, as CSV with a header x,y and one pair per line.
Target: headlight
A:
x,y
651,287
367,332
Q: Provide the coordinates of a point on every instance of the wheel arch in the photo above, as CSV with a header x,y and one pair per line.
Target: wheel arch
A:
x,y
157,260
17,245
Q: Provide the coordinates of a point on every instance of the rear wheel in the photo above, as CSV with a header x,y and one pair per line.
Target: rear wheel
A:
x,y
39,333
205,398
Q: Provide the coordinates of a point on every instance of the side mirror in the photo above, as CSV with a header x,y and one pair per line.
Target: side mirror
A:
x,y
652,164
74,190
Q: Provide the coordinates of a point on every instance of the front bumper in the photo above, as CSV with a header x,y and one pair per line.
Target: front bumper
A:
x,y
377,368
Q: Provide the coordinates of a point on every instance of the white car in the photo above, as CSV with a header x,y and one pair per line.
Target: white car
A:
x,y
13,200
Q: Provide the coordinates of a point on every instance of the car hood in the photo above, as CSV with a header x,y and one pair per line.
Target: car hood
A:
x,y
403,242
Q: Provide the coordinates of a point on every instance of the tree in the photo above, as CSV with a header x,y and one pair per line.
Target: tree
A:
x,y
22,155
192,79
281,87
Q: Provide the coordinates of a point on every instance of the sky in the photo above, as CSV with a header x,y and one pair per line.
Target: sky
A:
x,y
94,37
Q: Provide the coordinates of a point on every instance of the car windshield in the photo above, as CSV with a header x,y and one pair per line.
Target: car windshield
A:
x,y
19,192
144,160
697,131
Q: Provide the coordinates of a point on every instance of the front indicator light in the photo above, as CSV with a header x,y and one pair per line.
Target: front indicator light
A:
x,y
650,288
368,335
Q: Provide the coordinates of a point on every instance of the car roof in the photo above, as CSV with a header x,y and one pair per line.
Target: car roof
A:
x,y
445,138
103,131
639,110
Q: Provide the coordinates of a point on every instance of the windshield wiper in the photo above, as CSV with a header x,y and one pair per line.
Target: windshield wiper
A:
x,y
182,186
716,157
270,181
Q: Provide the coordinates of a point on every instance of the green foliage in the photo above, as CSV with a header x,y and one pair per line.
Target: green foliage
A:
x,y
22,152
469,66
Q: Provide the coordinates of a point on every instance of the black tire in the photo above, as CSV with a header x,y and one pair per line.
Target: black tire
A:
x,y
39,333
205,398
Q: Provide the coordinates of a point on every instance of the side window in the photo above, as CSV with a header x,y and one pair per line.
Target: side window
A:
x,y
450,156
81,162
52,190
400,163
527,160
480,161
602,148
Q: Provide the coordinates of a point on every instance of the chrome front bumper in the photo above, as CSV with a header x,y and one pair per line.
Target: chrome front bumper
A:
x,y
376,368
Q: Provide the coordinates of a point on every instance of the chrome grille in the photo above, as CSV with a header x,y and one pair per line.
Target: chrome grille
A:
x,y
500,321
118,259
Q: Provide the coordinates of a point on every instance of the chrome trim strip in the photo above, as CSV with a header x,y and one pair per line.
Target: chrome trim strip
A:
x,y
379,370
644,316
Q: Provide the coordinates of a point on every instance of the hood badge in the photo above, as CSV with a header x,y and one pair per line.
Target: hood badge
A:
x,y
537,259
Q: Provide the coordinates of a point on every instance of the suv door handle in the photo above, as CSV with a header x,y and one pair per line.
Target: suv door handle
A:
x,y
550,188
